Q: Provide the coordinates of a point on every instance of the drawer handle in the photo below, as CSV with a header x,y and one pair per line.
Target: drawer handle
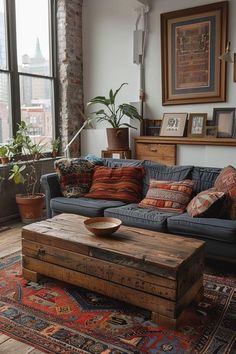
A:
x,y
41,252
153,149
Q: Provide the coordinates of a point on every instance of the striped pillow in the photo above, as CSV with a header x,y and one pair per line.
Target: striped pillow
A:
x,y
168,196
117,183
226,182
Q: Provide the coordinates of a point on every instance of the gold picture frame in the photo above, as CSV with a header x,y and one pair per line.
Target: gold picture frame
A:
x,y
186,36
173,124
197,125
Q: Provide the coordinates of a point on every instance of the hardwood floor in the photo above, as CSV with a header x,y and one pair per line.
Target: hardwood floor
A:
x,y
10,242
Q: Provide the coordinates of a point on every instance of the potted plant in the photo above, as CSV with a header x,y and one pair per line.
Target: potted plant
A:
x,y
118,135
55,144
31,203
4,154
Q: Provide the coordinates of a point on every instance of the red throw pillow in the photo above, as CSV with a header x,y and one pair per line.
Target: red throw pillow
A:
x,y
117,183
226,182
209,203
168,196
75,176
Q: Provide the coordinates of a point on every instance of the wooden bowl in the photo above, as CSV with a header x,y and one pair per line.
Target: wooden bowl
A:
x,y
102,226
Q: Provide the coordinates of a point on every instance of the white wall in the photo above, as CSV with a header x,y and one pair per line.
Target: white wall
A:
x,y
108,61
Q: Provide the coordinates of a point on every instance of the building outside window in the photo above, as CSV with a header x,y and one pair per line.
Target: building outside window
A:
x,y
27,68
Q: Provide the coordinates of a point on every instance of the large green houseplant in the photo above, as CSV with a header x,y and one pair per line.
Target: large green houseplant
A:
x,y
31,203
113,114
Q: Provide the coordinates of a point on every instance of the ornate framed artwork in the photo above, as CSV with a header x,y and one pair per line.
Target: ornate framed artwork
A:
x,y
224,118
173,124
197,125
191,42
234,67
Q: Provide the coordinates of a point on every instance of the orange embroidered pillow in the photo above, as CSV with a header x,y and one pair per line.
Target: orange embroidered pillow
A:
x,y
117,183
168,196
226,182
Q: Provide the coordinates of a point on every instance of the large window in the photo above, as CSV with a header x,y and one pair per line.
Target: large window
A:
x,y
27,68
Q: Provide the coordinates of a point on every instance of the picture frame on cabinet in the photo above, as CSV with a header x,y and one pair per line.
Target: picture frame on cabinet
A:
x,y
173,124
197,125
224,118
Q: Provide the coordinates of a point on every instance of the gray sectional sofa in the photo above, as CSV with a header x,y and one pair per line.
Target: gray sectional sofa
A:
x,y
219,234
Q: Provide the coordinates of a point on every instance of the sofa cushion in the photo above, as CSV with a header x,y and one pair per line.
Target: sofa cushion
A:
x,y
209,203
132,215
209,228
117,183
161,172
168,196
82,206
204,178
226,182
75,176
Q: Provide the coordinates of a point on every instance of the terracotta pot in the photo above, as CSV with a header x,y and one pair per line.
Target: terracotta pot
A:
x,y
118,138
5,160
30,207
54,153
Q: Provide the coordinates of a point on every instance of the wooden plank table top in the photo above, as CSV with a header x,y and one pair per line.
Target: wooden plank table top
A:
x,y
157,271
167,251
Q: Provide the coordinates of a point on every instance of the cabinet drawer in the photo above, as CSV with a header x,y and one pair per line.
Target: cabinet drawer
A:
x,y
163,153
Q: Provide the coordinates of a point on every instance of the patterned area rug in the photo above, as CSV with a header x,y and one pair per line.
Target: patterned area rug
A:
x,y
59,318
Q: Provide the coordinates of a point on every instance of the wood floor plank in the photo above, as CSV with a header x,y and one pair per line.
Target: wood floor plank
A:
x,y
12,346
3,338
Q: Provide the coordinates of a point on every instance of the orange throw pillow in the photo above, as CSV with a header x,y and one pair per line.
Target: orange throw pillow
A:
x,y
226,182
117,183
168,196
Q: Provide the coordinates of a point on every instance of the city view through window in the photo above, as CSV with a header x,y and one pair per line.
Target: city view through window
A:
x,y
33,70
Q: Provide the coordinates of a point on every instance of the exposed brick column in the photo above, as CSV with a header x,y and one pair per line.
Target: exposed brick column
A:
x,y
70,70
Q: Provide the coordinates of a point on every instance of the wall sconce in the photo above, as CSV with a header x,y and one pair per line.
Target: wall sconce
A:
x,y
228,58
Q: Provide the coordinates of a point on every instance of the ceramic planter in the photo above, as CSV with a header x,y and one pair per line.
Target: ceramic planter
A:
x,y
30,207
118,138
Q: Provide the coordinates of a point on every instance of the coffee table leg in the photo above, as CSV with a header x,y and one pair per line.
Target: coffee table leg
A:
x,y
31,275
161,320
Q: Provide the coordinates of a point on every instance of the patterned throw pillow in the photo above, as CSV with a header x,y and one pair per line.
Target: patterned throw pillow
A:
x,y
117,183
226,182
75,176
209,203
168,196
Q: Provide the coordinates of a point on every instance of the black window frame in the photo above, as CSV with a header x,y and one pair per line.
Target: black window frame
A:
x,y
15,74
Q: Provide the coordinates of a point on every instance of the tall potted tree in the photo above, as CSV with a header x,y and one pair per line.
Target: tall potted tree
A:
x,y
118,134
30,204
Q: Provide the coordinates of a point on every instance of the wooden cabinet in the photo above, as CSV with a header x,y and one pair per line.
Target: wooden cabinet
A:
x,y
164,149
163,153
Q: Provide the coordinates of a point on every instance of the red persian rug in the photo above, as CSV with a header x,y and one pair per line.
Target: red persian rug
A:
x,y
59,318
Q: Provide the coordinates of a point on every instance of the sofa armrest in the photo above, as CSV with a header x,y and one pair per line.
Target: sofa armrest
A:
x,y
51,188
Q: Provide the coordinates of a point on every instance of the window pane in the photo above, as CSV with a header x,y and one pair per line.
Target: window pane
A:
x,y
5,126
36,108
32,27
3,60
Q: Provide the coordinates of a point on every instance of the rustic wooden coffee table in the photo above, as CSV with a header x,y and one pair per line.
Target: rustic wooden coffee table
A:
x,y
155,271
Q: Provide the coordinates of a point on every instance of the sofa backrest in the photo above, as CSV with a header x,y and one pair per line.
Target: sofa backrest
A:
x,y
204,178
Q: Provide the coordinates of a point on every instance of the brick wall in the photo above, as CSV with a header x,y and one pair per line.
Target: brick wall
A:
x,y
70,70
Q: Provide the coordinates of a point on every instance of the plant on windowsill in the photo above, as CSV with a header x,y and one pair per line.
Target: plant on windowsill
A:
x,y
4,154
118,135
31,203
55,144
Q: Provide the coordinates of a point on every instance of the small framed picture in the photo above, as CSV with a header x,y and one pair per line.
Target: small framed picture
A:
x,y
173,124
224,118
197,125
211,131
